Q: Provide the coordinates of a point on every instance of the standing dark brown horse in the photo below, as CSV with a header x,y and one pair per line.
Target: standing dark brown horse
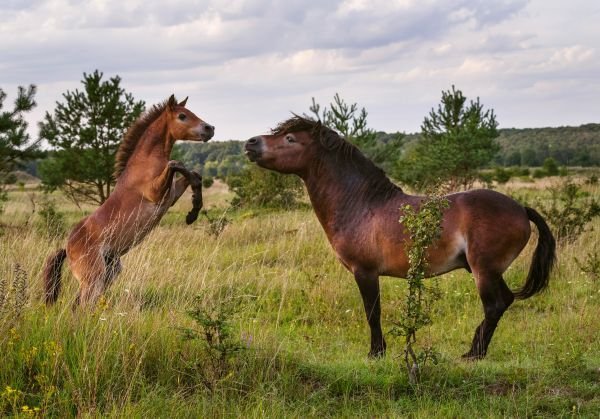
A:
x,y
359,209
145,189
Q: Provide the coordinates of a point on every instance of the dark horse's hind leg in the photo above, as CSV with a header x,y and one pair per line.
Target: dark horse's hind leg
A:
x,y
368,284
496,298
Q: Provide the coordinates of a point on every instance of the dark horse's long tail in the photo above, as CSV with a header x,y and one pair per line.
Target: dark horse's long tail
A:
x,y
543,258
52,274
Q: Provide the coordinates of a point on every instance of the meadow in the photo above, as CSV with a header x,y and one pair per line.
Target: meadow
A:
x,y
291,338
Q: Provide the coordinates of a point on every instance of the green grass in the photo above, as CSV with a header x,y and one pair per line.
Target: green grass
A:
x,y
302,325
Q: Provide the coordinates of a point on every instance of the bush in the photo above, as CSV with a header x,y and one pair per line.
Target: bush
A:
x,y
550,167
569,211
502,175
259,188
207,182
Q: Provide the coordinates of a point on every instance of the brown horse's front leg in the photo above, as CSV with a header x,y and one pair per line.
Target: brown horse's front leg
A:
x,y
163,182
197,203
368,284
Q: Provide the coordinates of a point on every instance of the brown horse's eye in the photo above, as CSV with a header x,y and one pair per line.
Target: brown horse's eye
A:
x,y
181,117
290,139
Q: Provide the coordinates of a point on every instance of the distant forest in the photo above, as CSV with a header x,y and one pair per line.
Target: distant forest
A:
x,y
569,146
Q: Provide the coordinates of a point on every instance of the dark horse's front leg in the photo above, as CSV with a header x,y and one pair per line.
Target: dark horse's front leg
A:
x,y
164,181
368,284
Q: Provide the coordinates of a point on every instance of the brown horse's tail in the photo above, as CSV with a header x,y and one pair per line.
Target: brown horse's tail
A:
x,y
543,258
52,273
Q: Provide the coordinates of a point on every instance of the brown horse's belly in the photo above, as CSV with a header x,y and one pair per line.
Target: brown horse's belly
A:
x,y
122,230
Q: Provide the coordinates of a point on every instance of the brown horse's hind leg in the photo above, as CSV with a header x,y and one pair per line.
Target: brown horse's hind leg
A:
x,y
90,269
496,298
368,284
113,269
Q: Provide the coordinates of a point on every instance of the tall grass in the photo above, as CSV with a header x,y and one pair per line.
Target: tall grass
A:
x,y
302,326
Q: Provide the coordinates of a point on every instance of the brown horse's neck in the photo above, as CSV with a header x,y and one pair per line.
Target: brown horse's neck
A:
x,y
154,148
343,187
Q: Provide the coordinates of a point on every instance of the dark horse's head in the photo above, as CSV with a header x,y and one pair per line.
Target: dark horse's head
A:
x,y
294,145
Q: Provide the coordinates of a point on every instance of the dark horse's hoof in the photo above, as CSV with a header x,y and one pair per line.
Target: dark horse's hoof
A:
x,y
472,356
376,354
191,216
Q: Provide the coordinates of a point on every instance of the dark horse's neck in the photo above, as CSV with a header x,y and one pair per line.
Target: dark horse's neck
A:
x,y
344,185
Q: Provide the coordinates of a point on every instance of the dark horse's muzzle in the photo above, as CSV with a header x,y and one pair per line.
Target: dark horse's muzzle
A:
x,y
253,148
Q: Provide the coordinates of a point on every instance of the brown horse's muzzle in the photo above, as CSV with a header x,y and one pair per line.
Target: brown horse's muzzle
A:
x,y
207,132
253,148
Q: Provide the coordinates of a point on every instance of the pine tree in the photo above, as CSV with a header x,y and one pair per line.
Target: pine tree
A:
x,y
457,139
16,146
85,132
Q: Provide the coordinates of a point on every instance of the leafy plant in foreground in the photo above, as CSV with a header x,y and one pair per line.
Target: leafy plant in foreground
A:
x,y
424,228
213,319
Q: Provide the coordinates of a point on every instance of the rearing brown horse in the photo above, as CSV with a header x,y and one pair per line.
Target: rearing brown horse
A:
x,y
145,189
359,208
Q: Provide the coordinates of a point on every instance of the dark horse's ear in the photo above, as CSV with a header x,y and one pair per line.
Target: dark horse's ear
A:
x,y
171,103
184,101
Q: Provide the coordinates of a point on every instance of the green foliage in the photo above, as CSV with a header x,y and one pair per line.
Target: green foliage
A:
x,y
214,159
568,146
424,228
568,211
16,146
456,140
550,166
207,182
213,318
502,175
85,132
258,188
351,123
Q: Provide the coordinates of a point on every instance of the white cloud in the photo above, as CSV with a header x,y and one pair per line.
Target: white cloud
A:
x,y
247,63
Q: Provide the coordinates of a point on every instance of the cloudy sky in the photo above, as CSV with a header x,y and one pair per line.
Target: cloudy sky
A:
x,y
246,64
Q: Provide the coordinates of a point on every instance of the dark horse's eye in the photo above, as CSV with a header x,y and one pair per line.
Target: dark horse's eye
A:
x,y
181,116
290,139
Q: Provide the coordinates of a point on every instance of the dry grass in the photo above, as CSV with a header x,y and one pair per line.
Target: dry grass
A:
x,y
302,323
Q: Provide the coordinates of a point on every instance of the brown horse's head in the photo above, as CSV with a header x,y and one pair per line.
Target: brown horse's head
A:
x,y
184,124
292,146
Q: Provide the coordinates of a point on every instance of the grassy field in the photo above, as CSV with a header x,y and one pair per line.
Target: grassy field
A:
x,y
298,333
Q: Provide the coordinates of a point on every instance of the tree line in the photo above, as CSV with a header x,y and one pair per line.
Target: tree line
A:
x,y
458,138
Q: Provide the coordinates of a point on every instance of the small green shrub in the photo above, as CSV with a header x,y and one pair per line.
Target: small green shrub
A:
x,y
502,175
424,228
569,210
259,188
213,329
591,265
207,182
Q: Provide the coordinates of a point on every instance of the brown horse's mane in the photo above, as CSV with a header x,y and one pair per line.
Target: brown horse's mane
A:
x,y
133,135
336,145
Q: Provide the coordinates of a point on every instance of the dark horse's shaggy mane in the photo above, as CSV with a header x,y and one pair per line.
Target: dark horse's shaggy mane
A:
x,y
335,144
133,135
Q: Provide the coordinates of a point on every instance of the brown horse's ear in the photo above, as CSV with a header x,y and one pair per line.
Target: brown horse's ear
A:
x,y
171,103
184,101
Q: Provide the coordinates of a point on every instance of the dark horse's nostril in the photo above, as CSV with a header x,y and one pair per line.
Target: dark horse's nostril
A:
x,y
209,127
253,140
